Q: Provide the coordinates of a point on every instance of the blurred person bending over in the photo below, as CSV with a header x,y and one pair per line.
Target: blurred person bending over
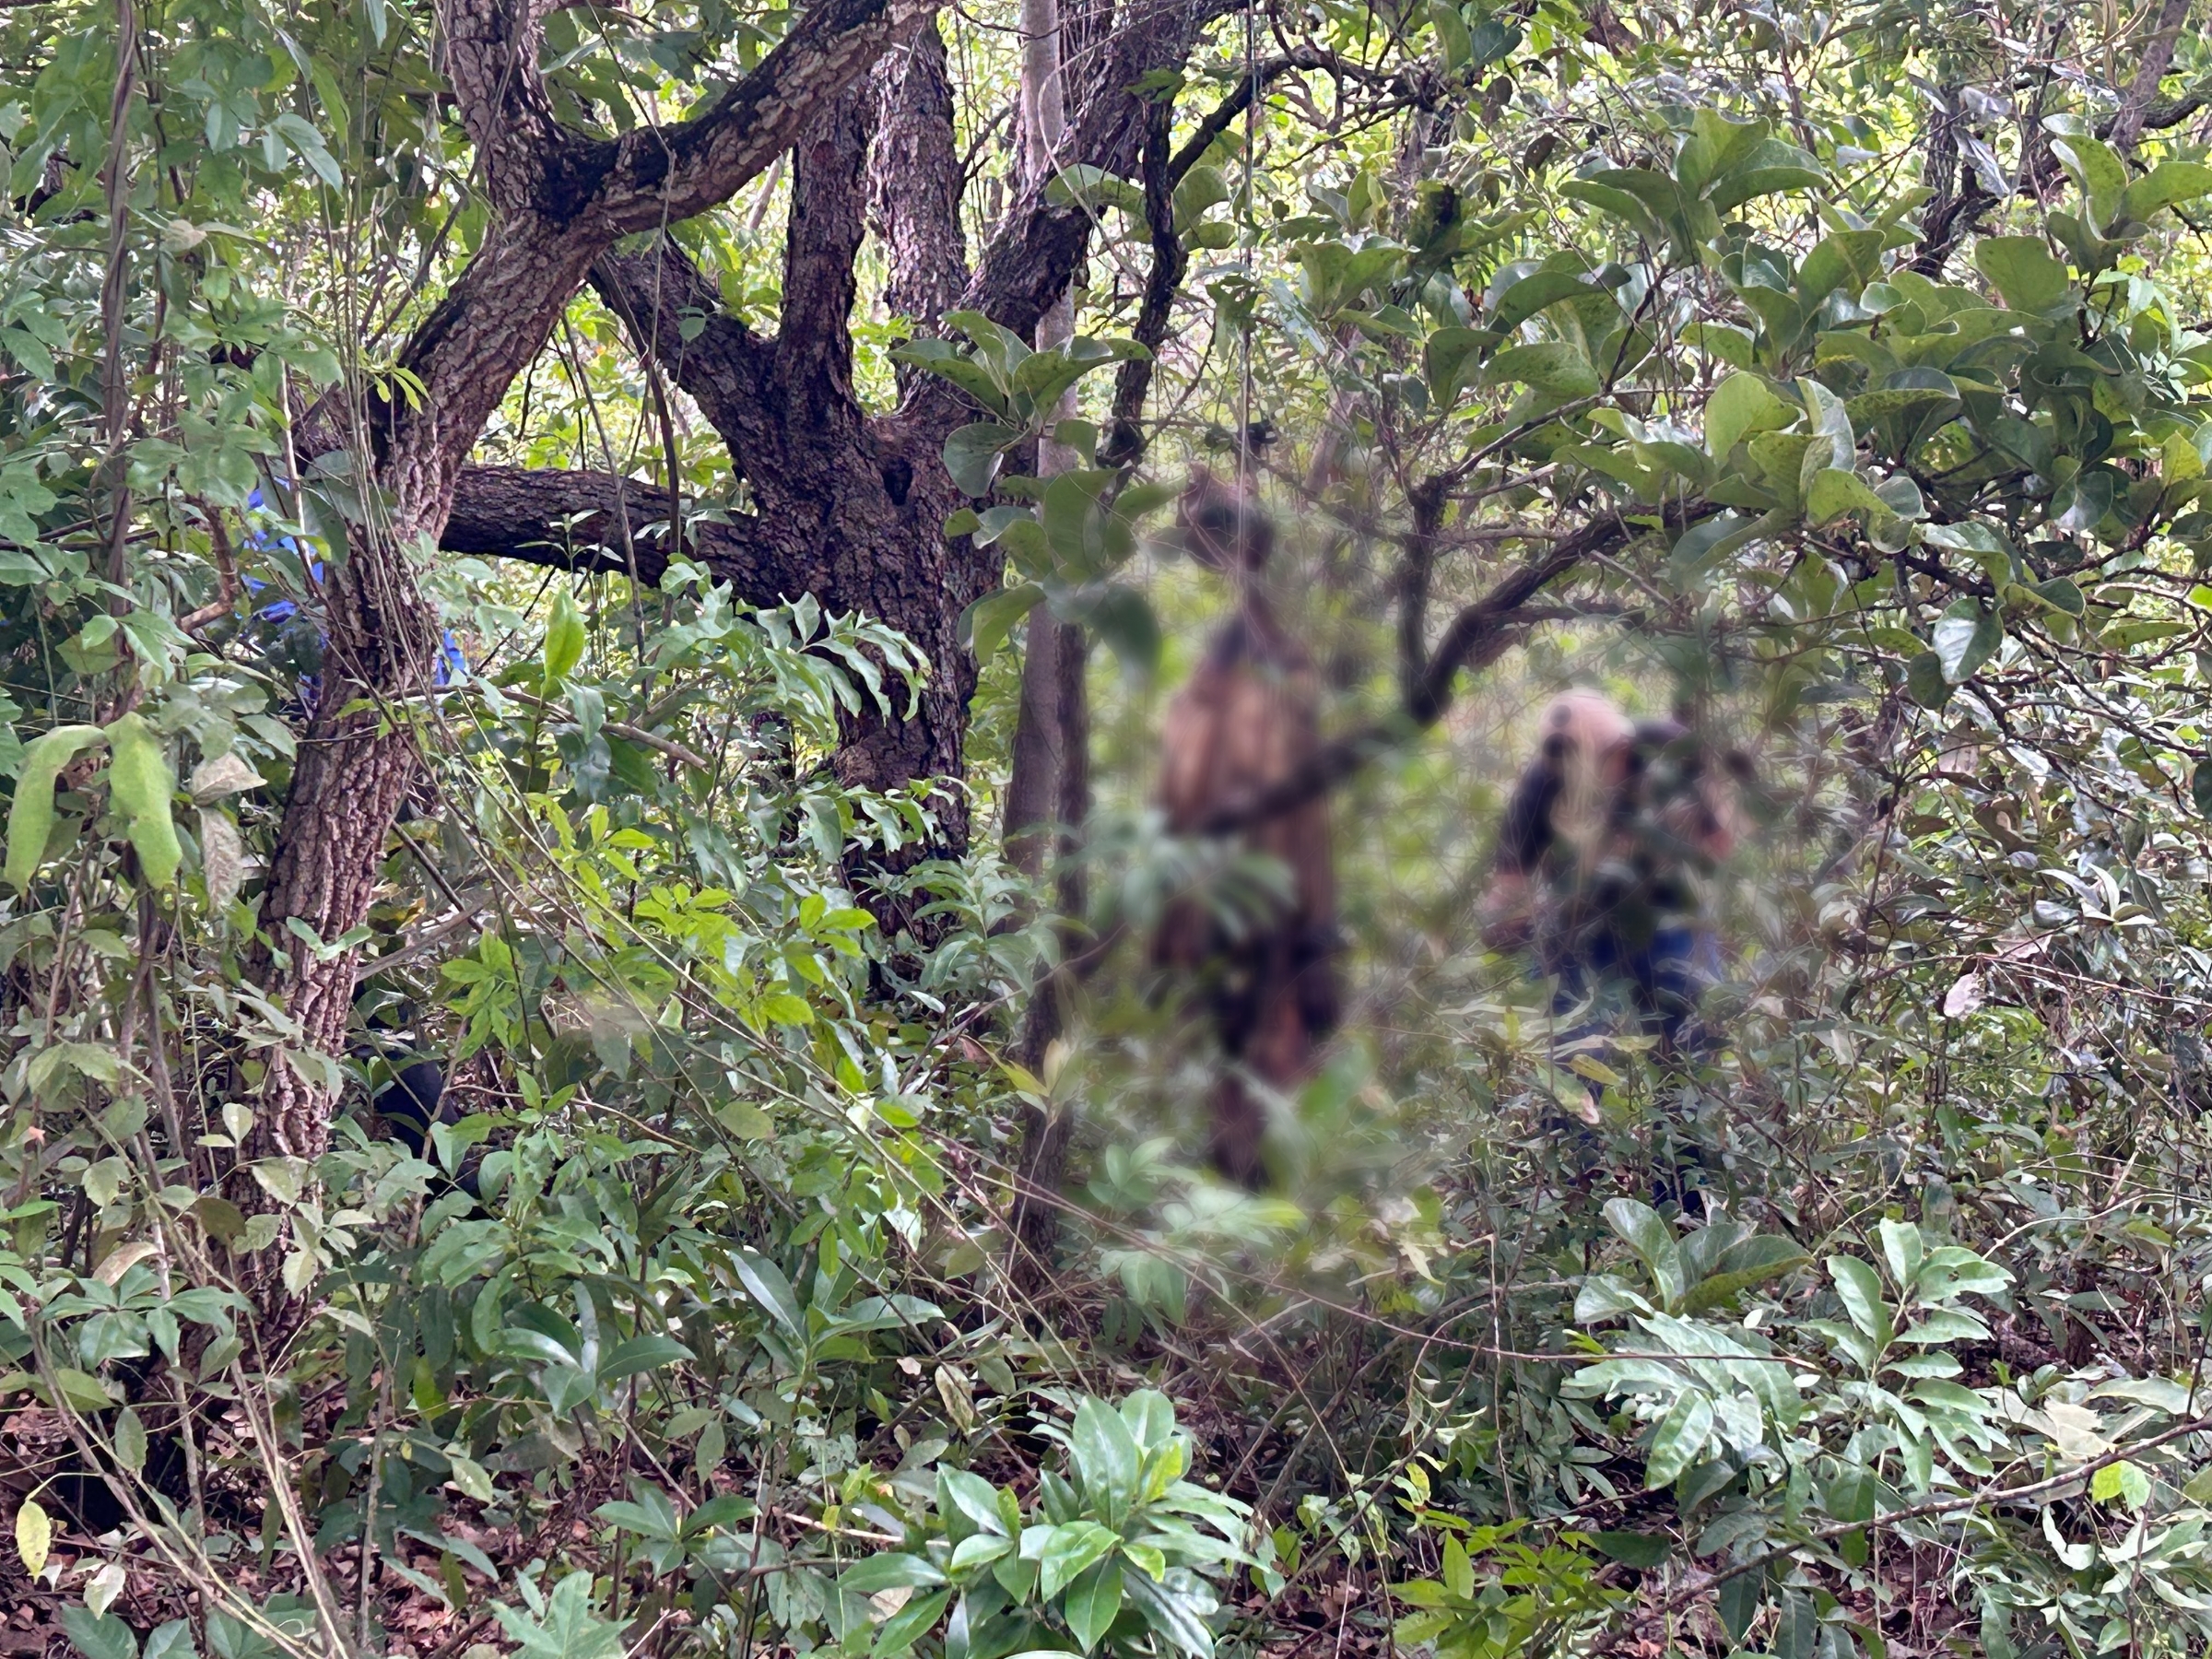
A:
x,y
1600,859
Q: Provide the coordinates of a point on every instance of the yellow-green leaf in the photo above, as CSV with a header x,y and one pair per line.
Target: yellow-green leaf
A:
x,y
34,1537
564,638
139,785
30,816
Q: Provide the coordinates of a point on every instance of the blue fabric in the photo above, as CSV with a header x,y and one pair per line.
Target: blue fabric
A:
x,y
1658,985
452,662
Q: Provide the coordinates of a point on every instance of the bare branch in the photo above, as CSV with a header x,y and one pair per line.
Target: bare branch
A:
x,y
2158,56
655,176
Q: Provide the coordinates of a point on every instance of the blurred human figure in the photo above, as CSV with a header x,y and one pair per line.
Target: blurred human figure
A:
x,y
1598,862
1248,719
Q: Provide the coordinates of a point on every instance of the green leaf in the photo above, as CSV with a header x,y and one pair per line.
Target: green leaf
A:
x,y
1641,1228
2097,173
968,1495
890,1571
130,1439
1754,1260
2200,787
1714,144
2023,271
1556,367
566,1627
1066,1551
1862,1293
1640,1550
1903,1249
980,1550
986,624
1834,492
1681,1436
1107,1459
2122,1481
2061,594
1741,406
945,360
31,815
98,1636
139,786
640,1354
564,637
1123,619
910,1624
765,1283
784,1008
1848,259
1092,1602
2083,500
1534,293
972,451
1965,637
2165,184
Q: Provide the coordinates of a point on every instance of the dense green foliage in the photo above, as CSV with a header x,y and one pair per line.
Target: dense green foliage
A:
x,y
1831,379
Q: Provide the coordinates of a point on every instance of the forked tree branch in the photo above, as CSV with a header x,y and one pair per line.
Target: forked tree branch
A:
x,y
1478,636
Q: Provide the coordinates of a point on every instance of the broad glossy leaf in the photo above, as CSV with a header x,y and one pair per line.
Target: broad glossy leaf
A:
x,y
1645,1231
98,1636
1862,1294
1107,1457
765,1282
1834,492
890,1571
1681,1437
1534,293
2023,271
2166,184
1965,637
1066,1551
1741,406
991,618
1092,1602
972,452
1556,367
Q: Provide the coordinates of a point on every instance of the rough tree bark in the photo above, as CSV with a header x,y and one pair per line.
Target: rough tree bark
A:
x,y
2158,57
851,506
558,200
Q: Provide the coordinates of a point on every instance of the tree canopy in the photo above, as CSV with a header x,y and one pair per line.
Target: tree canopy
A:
x,y
587,596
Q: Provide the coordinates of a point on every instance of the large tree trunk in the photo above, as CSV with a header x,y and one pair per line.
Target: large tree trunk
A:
x,y
850,507
558,199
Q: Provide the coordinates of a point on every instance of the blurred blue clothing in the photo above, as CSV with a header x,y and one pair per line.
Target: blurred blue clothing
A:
x,y
452,663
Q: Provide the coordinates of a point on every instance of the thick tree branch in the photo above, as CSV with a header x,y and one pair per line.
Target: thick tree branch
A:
x,y
724,367
2171,112
655,176
814,340
2158,56
580,520
1126,438
1036,248
596,521
915,185
491,60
